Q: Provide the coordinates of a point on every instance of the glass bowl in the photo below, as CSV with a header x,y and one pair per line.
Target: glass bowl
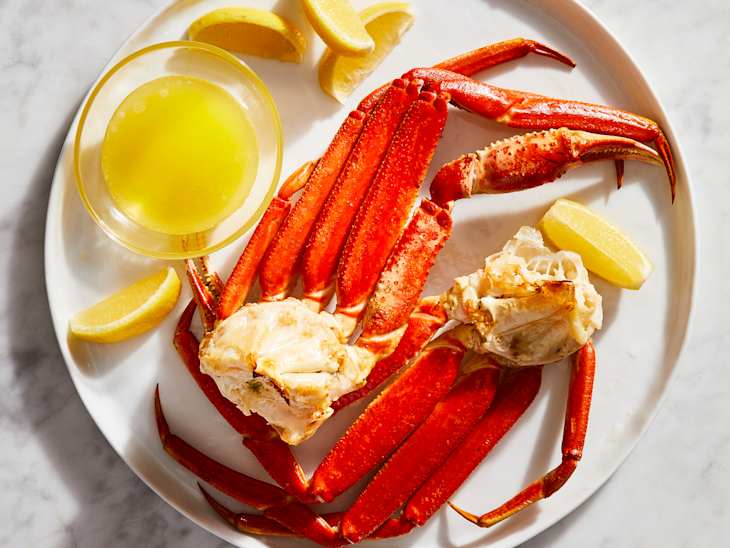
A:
x,y
183,58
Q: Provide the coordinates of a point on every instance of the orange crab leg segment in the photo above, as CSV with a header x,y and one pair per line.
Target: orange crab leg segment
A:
x,y
276,503
495,54
278,460
386,422
387,206
253,524
479,59
242,277
530,160
282,258
514,396
403,278
245,489
423,322
422,452
574,434
322,253
206,286
531,111
257,524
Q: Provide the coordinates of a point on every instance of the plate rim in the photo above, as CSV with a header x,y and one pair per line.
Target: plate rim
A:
x,y
694,242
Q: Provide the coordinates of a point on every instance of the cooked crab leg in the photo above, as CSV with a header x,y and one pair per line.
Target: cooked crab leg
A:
x,y
389,419
488,56
423,451
531,111
530,160
423,322
206,286
514,395
257,524
387,206
402,280
253,524
274,501
328,236
480,59
322,253
239,486
574,434
279,263
244,273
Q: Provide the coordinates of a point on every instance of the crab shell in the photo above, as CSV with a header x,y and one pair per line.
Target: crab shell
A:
x,y
528,305
284,362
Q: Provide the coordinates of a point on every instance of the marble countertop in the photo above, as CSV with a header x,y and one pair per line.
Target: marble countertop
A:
x,y
62,485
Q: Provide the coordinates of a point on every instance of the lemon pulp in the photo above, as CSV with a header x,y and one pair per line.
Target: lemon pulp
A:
x,y
130,311
386,23
606,251
179,155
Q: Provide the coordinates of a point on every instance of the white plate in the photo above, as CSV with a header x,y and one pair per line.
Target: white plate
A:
x,y
637,349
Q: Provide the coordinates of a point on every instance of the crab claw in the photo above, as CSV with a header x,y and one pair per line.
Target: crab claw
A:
x,y
530,160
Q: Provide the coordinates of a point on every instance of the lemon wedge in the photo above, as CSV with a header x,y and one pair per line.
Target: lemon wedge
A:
x,y
252,31
130,311
339,25
386,23
606,251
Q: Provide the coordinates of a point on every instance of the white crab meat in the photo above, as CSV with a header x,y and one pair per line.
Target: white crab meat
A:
x,y
284,362
529,305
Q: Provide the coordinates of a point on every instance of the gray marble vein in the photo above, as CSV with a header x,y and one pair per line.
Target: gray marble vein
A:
x,y
61,485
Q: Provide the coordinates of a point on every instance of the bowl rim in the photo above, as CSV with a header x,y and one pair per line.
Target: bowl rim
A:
x,y
248,74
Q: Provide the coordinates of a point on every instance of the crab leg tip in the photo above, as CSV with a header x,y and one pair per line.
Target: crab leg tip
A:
x,y
464,514
162,427
619,173
223,511
542,49
186,318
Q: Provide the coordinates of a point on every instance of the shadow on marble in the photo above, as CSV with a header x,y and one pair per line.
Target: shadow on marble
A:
x,y
114,508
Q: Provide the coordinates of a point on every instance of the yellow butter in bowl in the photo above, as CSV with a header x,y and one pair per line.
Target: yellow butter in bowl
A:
x,y
179,155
